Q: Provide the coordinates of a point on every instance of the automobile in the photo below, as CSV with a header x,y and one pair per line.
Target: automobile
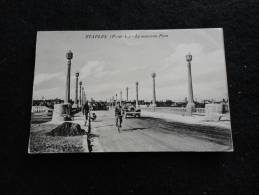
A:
x,y
131,110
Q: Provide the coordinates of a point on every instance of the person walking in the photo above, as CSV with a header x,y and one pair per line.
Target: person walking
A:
x,y
86,110
118,115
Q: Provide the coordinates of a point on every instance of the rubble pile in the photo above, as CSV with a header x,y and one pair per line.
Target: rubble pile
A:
x,y
67,129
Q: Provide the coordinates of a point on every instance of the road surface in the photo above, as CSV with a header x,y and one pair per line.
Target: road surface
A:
x,y
151,134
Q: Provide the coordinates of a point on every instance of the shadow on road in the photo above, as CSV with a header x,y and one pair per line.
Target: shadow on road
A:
x,y
133,129
143,117
104,126
97,121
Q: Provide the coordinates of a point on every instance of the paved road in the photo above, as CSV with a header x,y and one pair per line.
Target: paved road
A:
x,y
151,134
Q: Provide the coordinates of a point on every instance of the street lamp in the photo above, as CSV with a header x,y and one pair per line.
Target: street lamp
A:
x,y
69,56
80,93
190,107
127,93
154,88
76,92
137,95
188,57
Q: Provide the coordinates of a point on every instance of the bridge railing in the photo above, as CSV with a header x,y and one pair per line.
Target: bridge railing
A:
x,y
200,110
176,110
39,109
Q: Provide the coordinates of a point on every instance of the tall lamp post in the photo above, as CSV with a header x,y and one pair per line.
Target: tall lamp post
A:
x,y
62,111
137,95
154,89
76,91
85,93
127,93
80,93
190,107
69,56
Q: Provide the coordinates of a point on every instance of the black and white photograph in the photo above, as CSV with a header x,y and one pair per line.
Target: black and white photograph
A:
x,y
130,91
129,97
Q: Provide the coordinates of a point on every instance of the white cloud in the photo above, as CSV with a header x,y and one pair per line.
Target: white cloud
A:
x,y
42,77
48,93
96,69
93,69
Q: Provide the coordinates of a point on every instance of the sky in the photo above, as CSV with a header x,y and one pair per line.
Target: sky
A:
x,y
109,65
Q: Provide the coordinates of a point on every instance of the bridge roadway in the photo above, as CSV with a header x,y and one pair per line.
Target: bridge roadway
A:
x,y
152,134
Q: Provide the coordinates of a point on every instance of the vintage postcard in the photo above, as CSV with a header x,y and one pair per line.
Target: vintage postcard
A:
x,y
130,91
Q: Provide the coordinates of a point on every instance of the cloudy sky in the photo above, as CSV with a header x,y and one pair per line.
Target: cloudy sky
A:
x,y
107,66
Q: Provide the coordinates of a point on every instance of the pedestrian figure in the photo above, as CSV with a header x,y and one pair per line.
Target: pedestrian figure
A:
x,y
86,111
118,115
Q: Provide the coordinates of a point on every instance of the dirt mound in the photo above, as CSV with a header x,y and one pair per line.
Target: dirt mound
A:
x,y
67,129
